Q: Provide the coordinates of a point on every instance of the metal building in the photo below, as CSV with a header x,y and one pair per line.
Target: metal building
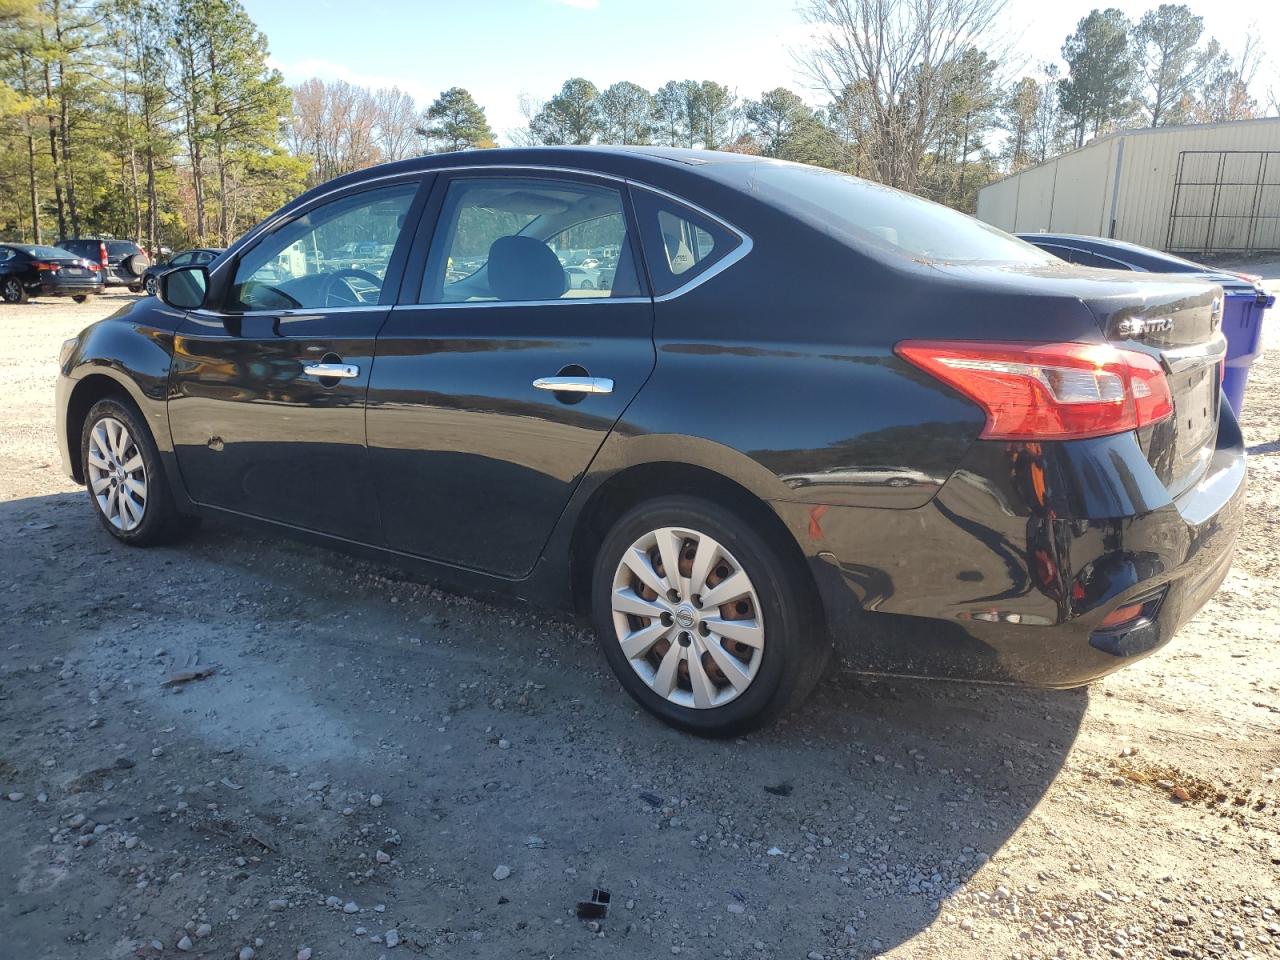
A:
x,y
1200,188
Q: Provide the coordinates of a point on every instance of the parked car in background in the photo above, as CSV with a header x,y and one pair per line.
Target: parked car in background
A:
x,y
32,270
186,258
1246,299
581,278
123,262
681,457
1108,254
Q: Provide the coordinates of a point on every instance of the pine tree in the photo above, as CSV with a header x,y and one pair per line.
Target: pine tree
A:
x,y
1172,63
570,117
1101,72
454,121
626,113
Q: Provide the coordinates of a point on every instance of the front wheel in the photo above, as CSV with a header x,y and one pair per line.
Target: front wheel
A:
x,y
151,286
135,288
13,291
706,623
124,476
80,297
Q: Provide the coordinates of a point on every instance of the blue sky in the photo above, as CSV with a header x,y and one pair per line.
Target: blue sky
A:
x,y
499,49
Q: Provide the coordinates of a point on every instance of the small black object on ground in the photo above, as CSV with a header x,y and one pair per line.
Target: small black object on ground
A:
x,y
597,908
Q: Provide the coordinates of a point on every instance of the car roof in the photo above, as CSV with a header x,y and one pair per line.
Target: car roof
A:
x,y
646,164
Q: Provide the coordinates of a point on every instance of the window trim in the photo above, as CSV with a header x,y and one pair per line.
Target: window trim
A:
x,y
724,263
421,256
223,279
429,179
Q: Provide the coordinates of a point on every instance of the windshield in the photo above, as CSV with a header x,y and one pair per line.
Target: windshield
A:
x,y
121,248
49,253
871,214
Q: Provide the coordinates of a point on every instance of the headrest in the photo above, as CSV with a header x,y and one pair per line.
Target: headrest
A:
x,y
522,268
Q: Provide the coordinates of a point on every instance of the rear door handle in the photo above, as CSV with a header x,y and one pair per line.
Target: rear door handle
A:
x,y
335,371
575,384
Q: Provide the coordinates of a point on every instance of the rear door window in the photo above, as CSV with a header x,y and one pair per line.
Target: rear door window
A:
x,y
522,239
680,244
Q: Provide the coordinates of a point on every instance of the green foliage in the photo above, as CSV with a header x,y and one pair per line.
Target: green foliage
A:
x,y
781,120
570,117
162,120
626,113
1172,63
1098,89
456,122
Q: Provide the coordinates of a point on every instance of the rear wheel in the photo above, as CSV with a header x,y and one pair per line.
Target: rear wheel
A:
x,y
135,288
150,286
125,477
705,623
13,291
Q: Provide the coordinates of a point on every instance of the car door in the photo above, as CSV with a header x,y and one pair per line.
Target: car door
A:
x,y
268,386
496,382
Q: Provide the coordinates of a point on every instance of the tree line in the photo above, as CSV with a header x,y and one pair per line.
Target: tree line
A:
x,y
152,119
162,120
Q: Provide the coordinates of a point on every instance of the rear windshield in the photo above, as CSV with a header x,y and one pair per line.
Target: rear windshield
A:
x,y
121,248
874,215
49,253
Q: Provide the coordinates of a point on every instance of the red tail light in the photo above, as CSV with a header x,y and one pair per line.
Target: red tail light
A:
x,y
91,265
102,254
41,265
1049,391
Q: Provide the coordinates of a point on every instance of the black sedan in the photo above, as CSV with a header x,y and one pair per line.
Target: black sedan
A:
x,y
692,458
186,258
31,270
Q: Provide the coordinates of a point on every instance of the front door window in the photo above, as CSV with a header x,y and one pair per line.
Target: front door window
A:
x,y
333,256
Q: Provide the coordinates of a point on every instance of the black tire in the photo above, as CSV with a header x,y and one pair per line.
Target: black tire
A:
x,y
80,297
796,651
135,288
151,285
161,522
13,291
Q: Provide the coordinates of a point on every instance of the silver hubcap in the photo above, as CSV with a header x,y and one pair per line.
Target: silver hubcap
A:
x,y
117,475
12,290
687,618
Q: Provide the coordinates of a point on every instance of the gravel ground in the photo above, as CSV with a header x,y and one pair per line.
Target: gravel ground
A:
x,y
376,768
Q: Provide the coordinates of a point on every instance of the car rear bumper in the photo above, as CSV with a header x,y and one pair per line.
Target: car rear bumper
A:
x,y
1007,574
68,288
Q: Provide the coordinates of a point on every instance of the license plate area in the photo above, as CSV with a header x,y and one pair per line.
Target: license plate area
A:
x,y
1196,409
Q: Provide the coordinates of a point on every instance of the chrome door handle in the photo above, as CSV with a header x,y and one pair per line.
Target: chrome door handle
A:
x,y
337,371
575,384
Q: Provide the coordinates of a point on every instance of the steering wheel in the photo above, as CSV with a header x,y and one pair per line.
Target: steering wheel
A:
x,y
332,298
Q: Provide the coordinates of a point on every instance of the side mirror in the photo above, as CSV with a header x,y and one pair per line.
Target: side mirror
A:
x,y
184,288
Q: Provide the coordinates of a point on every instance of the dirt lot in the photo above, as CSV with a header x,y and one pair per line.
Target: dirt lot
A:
x,y
377,768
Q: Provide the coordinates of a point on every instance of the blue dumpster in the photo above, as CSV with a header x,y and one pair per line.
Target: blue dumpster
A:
x,y
1243,306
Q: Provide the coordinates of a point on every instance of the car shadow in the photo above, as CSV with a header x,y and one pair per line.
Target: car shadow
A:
x,y
843,829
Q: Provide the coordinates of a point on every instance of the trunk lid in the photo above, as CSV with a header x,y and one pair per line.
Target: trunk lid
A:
x,y
1179,322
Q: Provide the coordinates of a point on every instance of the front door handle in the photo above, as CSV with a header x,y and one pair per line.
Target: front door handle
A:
x,y
331,371
575,384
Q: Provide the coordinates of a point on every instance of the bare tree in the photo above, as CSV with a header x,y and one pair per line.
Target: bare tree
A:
x,y
335,126
895,53
395,123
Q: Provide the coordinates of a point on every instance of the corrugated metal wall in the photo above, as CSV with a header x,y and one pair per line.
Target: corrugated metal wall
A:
x,y
1076,193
